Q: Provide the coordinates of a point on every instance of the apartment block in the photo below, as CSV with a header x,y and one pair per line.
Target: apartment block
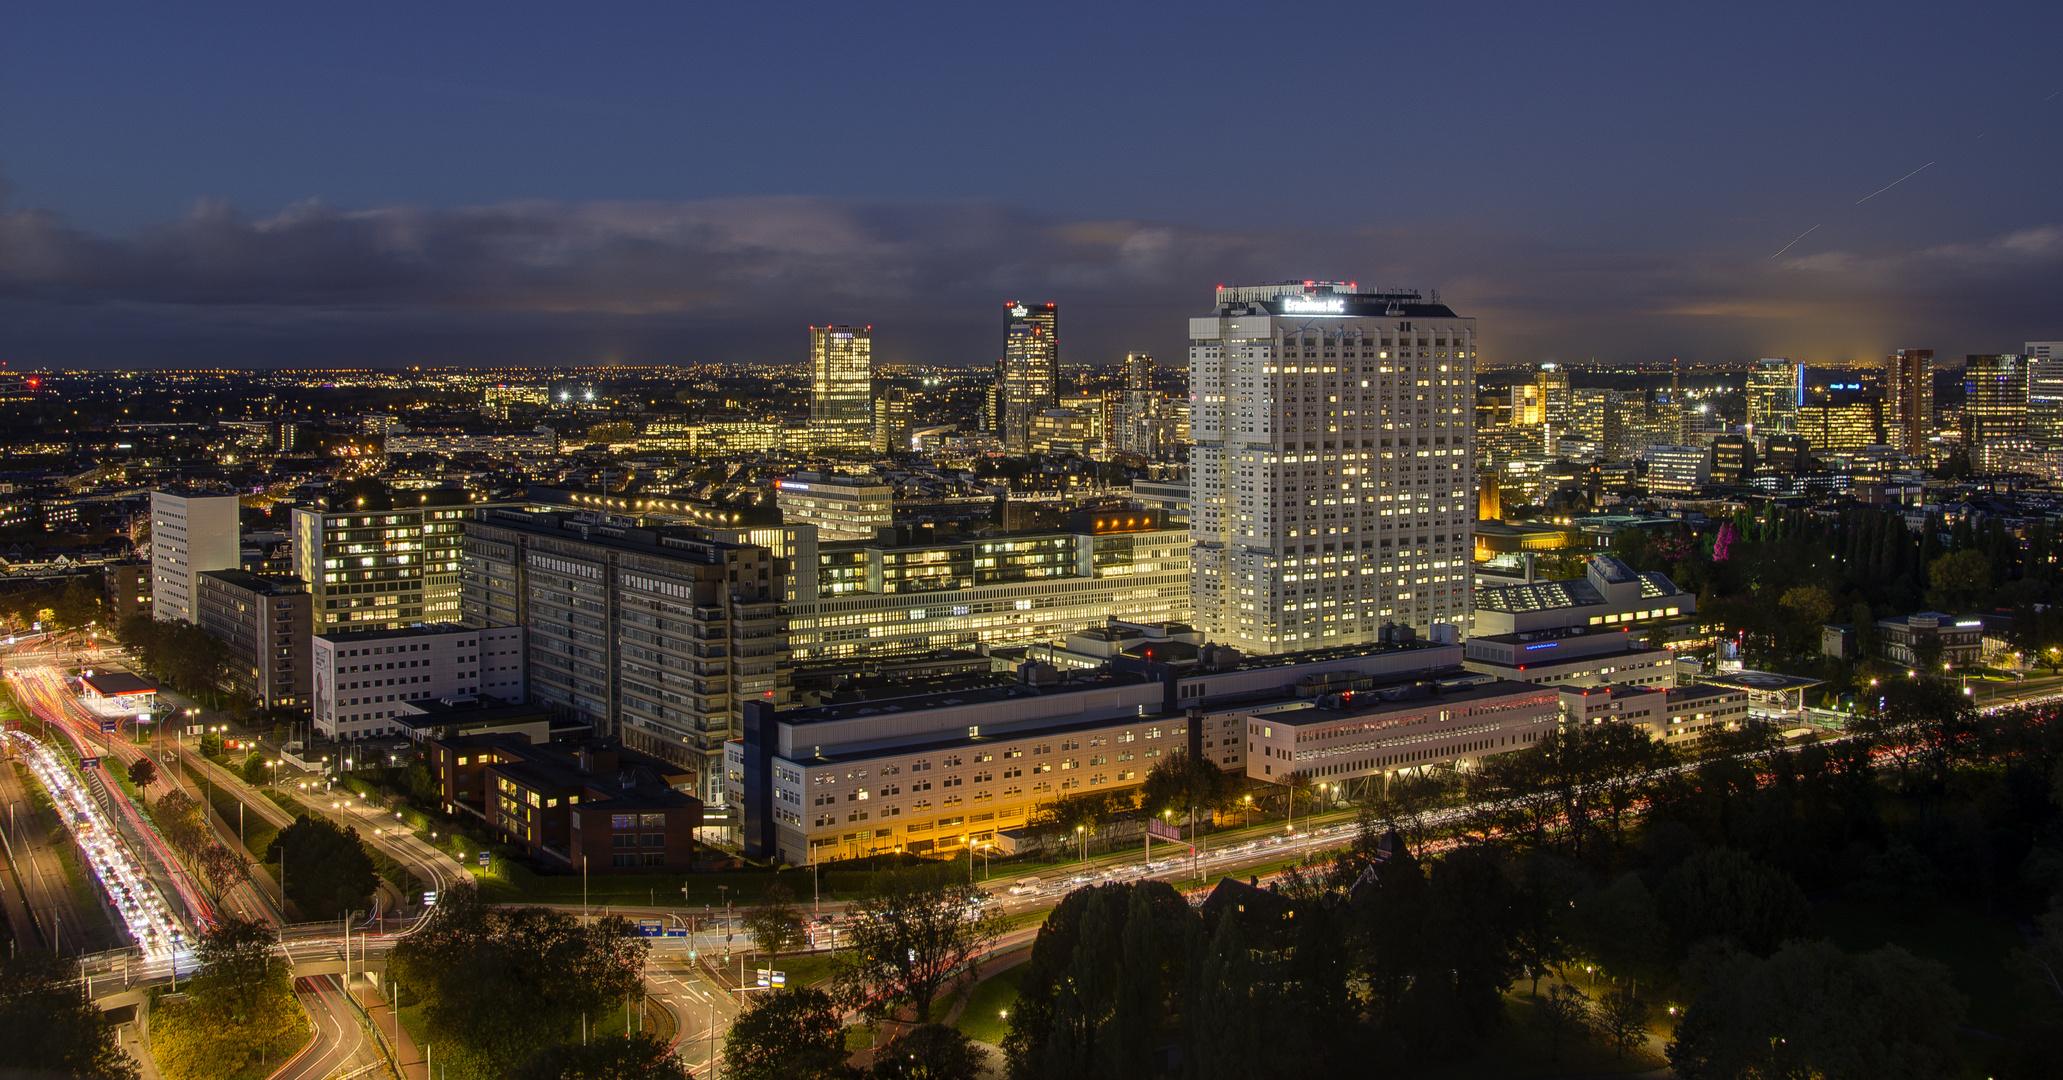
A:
x,y
190,533
265,622
362,680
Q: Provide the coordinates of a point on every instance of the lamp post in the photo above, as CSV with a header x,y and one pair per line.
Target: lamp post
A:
x,y
1082,833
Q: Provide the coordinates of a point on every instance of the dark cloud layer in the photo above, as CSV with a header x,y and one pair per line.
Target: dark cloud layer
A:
x,y
739,279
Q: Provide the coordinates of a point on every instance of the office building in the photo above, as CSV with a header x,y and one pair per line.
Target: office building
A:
x,y
382,560
965,767
362,680
1609,595
190,533
1776,390
655,635
1678,470
1030,369
1908,401
1141,407
1332,479
895,416
1733,459
593,807
265,622
1673,714
1557,400
1574,656
496,401
2045,393
851,507
915,592
1349,737
1995,398
1849,426
1600,420
841,385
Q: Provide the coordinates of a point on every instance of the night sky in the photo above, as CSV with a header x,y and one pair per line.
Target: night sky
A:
x,y
377,184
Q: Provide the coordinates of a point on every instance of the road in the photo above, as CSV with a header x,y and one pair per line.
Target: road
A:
x,y
339,1043
46,907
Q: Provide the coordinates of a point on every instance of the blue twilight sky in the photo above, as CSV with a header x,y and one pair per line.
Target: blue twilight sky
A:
x,y
557,183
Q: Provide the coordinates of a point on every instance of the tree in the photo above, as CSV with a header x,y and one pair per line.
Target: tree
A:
x,y
1408,802
775,925
615,1057
1622,1019
1544,890
930,1052
913,932
48,1024
1186,784
1563,1012
240,966
1813,1010
505,983
254,770
792,1034
1959,579
328,869
179,820
142,773
1724,893
1619,929
78,605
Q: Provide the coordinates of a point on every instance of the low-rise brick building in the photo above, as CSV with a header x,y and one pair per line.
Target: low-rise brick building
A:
x,y
591,805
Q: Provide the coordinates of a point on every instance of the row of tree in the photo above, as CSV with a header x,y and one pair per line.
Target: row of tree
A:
x,y
184,655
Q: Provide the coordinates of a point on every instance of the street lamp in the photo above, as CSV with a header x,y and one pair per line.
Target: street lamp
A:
x,y
1082,833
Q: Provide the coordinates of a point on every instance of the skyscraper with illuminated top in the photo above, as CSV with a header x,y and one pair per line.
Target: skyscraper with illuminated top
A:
x,y
841,385
1332,479
1031,369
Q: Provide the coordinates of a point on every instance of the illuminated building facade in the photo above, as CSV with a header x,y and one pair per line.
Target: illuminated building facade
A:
x,y
841,385
1332,483
841,507
919,593
1908,400
1776,389
1995,397
1030,372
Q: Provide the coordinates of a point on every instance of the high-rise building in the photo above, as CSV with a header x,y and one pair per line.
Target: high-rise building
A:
x,y
654,634
1031,367
1142,406
383,561
841,385
895,414
1908,400
265,623
1557,404
1332,479
2045,392
190,534
1850,425
1776,388
1995,397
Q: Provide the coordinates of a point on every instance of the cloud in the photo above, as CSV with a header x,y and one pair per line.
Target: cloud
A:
x,y
541,282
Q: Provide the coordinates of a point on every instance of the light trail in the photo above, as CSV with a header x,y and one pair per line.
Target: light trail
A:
x,y
145,914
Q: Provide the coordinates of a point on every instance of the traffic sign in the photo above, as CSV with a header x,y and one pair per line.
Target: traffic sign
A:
x,y
89,763
429,898
486,858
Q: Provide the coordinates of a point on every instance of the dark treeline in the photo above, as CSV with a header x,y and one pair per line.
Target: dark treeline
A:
x,y
1603,881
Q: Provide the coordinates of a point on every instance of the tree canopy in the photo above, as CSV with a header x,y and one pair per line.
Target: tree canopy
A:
x,y
328,870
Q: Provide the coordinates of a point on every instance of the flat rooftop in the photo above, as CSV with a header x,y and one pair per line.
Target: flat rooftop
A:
x,y
1372,704
427,629
1076,684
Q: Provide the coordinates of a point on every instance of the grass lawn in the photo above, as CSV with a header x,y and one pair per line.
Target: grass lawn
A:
x,y
1973,945
983,1019
1519,1048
